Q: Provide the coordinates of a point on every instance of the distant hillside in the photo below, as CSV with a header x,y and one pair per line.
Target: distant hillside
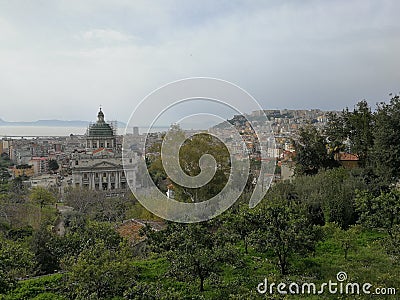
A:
x,y
52,123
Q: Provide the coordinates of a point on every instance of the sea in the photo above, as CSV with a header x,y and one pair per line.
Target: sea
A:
x,y
38,131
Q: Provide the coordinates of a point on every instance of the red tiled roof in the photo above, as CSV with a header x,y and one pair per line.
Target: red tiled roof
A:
x,y
101,149
347,156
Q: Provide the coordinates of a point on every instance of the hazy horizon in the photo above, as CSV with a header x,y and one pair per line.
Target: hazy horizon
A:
x,y
125,121
64,59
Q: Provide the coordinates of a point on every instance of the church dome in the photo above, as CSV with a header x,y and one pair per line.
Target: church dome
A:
x,y
100,128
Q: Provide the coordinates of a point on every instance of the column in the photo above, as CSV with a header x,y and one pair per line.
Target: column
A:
x,y
92,181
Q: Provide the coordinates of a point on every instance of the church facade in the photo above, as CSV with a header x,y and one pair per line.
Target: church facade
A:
x,y
100,165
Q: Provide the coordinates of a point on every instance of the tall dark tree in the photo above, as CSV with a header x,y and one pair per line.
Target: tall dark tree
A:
x,y
386,150
352,131
336,132
53,165
311,151
359,126
44,245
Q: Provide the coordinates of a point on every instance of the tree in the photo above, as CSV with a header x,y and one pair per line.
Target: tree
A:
x,y
82,200
4,175
53,165
347,238
101,273
196,251
283,229
382,212
241,222
336,132
330,195
97,206
45,245
42,196
15,261
352,131
189,159
359,126
311,151
85,234
386,149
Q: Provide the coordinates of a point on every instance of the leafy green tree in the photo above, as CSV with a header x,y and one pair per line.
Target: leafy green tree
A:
x,y
101,273
330,195
382,212
42,196
15,261
311,151
241,223
283,229
386,149
352,131
359,126
347,238
83,234
195,251
336,132
189,156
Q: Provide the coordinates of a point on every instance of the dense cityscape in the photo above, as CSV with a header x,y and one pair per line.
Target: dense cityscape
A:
x,y
34,158
199,150
68,214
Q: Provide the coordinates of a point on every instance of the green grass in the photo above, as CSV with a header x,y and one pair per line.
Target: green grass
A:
x,y
368,262
45,287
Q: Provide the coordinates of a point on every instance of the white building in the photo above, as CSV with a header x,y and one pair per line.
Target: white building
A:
x,y
100,166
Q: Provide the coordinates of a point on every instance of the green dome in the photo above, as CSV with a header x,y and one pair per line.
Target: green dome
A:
x,y
100,130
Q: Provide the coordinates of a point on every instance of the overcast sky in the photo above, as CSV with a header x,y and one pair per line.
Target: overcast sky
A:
x,y
62,59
